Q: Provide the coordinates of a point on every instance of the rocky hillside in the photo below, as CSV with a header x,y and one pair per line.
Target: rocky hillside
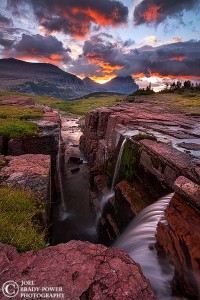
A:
x,y
47,79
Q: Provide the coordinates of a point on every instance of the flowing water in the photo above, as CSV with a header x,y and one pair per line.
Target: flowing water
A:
x,y
111,193
72,215
59,174
138,241
117,167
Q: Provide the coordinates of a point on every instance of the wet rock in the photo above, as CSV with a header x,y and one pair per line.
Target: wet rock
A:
x,y
75,160
2,144
34,145
101,125
127,193
179,240
100,182
52,116
81,270
94,202
75,170
189,190
168,163
189,146
156,165
28,171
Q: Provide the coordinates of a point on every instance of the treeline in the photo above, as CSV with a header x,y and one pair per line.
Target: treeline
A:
x,y
181,87
147,91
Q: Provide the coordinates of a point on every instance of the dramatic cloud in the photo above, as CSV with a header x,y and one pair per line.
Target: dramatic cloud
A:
x,y
74,17
5,43
101,56
176,60
4,21
156,11
40,48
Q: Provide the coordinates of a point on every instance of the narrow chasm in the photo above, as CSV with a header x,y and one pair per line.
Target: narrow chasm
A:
x,y
72,216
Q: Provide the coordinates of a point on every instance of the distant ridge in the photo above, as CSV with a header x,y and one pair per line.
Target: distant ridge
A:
x,y
48,79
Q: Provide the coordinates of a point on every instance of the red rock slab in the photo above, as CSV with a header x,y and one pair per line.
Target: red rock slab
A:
x,y
81,270
18,101
189,190
29,171
182,161
51,116
179,238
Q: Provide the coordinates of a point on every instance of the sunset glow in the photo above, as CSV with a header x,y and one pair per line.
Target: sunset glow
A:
x,y
152,13
105,39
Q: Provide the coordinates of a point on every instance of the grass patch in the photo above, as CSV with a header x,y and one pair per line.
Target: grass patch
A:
x,y
13,128
2,161
17,211
19,112
80,106
186,103
77,107
143,136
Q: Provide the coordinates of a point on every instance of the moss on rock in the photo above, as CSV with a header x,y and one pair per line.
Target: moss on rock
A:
x,y
129,161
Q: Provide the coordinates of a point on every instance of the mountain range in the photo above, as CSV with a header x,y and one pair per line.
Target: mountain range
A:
x,y
47,79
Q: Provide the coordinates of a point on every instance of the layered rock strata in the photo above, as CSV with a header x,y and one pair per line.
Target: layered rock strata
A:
x,y
152,159
178,237
160,155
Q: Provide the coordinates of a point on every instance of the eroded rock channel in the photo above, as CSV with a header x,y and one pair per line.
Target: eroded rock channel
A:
x,y
130,180
72,215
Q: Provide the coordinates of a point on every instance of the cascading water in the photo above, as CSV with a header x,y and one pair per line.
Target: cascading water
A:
x,y
63,214
117,167
72,216
138,241
111,193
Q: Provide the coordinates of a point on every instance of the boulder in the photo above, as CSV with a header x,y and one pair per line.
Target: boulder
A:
x,y
29,171
79,270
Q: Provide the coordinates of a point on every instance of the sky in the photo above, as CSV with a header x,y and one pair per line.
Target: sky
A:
x,y
155,41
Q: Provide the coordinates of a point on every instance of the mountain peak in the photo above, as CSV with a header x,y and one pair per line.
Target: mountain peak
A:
x,y
87,79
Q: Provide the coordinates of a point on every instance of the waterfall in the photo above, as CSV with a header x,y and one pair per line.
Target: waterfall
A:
x,y
117,167
59,172
138,241
111,193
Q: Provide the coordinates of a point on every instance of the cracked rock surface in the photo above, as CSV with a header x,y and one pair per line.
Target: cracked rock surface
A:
x,y
81,269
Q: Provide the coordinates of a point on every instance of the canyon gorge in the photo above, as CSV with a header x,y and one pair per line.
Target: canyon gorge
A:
x,y
121,197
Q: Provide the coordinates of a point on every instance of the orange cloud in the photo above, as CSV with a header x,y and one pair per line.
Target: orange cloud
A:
x,y
174,77
98,17
94,57
77,17
177,39
138,75
179,58
108,68
152,14
55,59
102,79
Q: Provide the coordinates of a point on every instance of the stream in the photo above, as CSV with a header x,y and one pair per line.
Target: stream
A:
x,y
72,215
